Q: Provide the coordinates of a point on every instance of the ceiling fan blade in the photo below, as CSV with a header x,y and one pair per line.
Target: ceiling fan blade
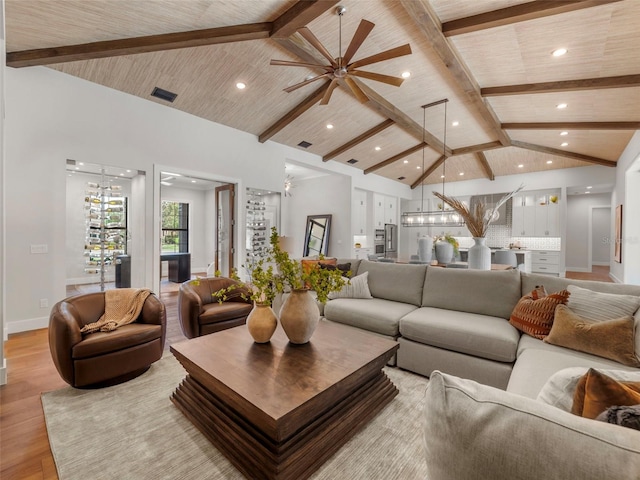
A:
x,y
327,95
305,82
378,77
357,91
311,38
386,55
364,29
288,63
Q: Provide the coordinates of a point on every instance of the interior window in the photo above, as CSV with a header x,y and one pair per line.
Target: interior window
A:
x,y
175,227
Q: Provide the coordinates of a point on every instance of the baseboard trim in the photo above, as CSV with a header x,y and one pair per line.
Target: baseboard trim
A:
x,y
601,264
614,278
578,269
3,372
18,326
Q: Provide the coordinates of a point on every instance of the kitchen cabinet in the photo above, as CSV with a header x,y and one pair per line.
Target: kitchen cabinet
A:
x,y
385,210
545,261
536,214
359,212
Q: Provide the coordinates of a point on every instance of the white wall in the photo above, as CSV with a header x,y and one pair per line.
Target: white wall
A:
x,y
330,194
3,278
601,235
579,210
629,270
52,117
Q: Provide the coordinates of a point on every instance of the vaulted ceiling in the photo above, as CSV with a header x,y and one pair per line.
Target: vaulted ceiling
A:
x,y
492,60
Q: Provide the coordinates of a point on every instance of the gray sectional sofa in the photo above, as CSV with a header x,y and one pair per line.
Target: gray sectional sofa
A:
x,y
456,321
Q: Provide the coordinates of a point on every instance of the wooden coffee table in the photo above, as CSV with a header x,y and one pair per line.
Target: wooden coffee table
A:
x,y
278,410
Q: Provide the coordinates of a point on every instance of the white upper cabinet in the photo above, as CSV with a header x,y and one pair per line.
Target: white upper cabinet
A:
x,y
536,214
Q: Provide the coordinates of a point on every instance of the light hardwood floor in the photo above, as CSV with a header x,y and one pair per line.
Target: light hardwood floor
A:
x,y
25,452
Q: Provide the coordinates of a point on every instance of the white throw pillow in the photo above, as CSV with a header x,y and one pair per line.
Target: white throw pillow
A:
x,y
476,431
559,389
356,287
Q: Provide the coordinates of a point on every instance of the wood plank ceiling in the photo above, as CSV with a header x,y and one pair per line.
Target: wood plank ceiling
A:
x,y
491,59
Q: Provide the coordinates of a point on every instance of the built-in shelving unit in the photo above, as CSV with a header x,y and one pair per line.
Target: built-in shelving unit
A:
x,y
257,228
106,227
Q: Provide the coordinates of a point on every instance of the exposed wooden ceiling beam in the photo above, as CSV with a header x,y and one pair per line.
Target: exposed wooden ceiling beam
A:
x,y
359,139
404,121
130,46
572,126
563,153
422,12
395,158
484,163
622,81
294,113
477,148
428,172
516,13
299,15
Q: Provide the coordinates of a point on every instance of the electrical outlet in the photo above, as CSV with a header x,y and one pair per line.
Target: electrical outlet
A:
x,y
44,302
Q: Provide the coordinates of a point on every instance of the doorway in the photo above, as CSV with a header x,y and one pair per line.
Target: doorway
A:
x,y
189,227
600,237
225,220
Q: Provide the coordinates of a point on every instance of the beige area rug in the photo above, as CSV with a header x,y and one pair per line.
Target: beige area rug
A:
x,y
133,431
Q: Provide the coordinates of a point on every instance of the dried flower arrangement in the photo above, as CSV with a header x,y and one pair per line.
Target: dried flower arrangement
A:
x,y
478,218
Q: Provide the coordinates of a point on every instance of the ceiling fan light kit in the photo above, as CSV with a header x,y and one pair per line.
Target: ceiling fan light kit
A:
x,y
339,70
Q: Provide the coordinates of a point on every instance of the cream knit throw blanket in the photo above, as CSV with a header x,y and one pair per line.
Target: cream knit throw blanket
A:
x,y
121,306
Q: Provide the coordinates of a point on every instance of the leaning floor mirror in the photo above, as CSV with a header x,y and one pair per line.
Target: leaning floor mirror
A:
x,y
316,238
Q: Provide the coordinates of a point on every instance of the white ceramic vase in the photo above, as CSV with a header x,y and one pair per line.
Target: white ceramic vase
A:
x,y
444,252
299,316
479,255
425,249
261,323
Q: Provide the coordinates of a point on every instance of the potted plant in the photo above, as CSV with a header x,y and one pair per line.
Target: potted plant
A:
x,y
446,247
299,314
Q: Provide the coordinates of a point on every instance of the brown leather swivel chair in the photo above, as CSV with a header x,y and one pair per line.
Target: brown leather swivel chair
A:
x,y
201,313
104,358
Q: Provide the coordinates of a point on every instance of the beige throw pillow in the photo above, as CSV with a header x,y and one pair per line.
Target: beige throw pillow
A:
x,y
611,339
356,287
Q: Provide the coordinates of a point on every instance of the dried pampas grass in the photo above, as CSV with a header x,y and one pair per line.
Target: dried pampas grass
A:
x,y
478,218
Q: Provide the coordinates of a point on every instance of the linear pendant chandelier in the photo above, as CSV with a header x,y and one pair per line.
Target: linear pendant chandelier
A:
x,y
436,218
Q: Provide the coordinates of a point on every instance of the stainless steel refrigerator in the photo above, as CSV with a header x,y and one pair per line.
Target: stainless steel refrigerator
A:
x,y
390,240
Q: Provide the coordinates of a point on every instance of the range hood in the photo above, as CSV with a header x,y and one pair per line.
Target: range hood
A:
x,y
490,201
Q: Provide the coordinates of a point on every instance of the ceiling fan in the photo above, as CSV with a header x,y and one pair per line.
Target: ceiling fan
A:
x,y
340,68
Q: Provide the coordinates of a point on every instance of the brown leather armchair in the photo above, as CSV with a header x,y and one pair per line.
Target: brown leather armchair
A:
x,y
201,313
104,358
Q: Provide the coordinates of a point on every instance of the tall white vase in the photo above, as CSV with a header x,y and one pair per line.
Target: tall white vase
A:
x,y
425,249
479,255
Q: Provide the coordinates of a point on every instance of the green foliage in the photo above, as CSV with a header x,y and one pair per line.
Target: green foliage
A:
x,y
449,238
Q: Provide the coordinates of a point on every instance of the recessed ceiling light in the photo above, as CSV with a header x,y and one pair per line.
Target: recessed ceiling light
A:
x,y
241,85
561,106
587,191
77,168
564,133
549,162
559,52
172,174
128,171
455,124
406,161
193,181
418,167
406,74
564,144
122,174
441,176
520,166
378,149
329,126
461,173
80,163
589,187
166,183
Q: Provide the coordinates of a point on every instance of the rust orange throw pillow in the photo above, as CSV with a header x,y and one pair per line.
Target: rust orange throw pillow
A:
x,y
596,392
533,314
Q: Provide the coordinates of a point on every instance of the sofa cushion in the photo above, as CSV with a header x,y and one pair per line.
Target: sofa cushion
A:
x,y
375,315
598,306
559,390
478,335
476,431
611,339
535,366
394,281
534,312
493,293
